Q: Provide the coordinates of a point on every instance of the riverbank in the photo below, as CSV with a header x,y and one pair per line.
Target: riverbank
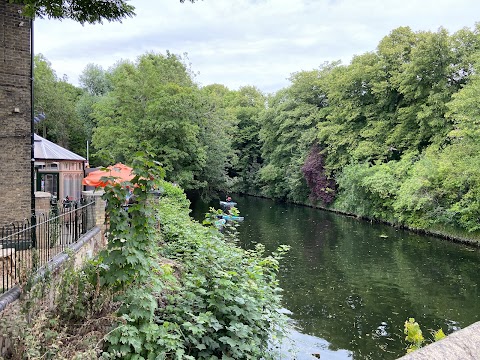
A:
x,y
453,235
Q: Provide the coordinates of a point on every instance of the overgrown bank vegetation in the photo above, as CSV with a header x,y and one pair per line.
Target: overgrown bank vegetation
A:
x,y
393,136
165,288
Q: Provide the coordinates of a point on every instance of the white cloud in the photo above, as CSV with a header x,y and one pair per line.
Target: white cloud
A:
x,y
246,42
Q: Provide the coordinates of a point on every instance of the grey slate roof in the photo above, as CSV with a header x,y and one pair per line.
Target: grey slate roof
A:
x,y
47,150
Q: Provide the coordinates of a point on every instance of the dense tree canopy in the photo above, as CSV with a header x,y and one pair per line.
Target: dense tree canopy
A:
x,y
152,106
155,105
393,135
394,129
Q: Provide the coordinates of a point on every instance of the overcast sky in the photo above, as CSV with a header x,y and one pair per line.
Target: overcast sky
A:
x,y
246,42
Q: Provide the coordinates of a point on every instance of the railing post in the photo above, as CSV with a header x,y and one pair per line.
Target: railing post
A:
x,y
34,229
75,207
84,215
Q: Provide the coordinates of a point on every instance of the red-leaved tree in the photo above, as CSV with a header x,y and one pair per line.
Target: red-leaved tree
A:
x,y
321,187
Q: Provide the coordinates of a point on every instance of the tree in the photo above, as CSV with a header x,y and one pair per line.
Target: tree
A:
x,y
55,98
154,105
245,105
96,83
94,80
464,111
216,136
350,127
289,131
321,187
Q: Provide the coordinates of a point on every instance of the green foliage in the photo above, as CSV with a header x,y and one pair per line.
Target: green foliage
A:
x,y
393,101
398,146
371,190
216,135
437,188
154,105
351,129
214,219
226,306
96,83
288,132
397,129
414,335
131,250
197,296
464,111
442,188
246,105
83,11
95,80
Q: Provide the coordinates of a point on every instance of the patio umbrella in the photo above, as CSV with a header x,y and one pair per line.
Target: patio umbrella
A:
x,y
120,171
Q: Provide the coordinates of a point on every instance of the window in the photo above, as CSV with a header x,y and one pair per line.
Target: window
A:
x,y
48,183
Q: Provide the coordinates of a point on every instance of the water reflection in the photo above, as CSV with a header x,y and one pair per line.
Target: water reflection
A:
x,y
351,284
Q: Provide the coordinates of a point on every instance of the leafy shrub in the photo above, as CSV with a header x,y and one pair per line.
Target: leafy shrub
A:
x,y
201,297
370,190
442,188
226,306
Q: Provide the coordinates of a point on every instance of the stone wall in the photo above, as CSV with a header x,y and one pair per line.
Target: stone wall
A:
x,y
91,195
42,203
15,114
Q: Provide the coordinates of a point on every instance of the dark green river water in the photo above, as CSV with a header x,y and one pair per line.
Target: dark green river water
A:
x,y
350,285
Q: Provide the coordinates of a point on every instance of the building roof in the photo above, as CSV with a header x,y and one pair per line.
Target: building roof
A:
x,y
47,150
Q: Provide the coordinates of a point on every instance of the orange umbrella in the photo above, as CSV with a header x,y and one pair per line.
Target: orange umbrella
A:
x,y
119,171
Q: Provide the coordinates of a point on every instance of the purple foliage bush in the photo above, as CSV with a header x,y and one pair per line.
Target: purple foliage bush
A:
x,y
321,187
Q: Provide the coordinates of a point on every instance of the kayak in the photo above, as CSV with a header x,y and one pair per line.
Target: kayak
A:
x,y
228,204
232,218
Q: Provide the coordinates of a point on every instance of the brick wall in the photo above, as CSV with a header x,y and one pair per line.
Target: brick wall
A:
x,y
15,114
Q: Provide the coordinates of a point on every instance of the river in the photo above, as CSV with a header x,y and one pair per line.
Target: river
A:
x,y
349,285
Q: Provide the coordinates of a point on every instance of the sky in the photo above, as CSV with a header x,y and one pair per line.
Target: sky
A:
x,y
245,42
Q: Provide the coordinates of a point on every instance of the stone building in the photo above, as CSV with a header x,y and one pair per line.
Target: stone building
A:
x,y
15,114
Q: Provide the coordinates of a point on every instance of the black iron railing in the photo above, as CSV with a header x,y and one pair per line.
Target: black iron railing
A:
x,y
26,246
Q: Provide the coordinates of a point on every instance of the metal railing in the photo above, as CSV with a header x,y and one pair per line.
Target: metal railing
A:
x,y
27,246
